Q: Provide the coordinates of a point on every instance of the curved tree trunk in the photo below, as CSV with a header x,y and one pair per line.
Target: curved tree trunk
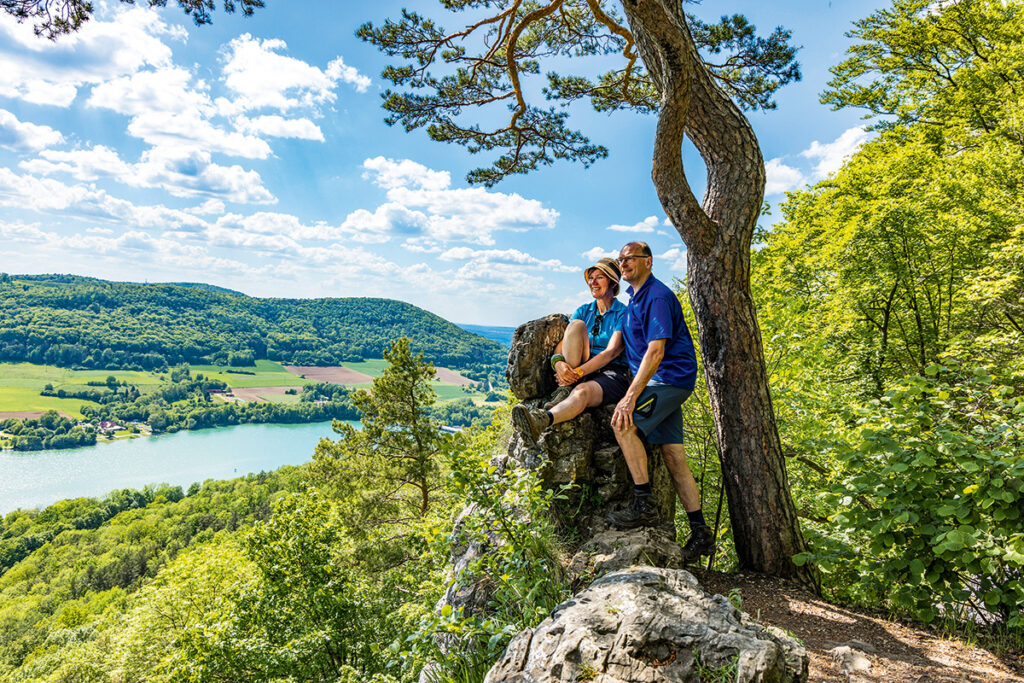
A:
x,y
717,234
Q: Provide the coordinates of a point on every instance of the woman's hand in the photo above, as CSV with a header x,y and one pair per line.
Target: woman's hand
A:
x,y
565,376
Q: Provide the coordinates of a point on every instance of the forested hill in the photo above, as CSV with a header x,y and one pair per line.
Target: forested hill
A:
x,y
75,321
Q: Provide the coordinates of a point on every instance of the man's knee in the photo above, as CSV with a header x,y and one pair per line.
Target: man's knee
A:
x,y
627,432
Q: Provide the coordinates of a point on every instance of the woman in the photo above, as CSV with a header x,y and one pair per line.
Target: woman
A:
x,y
588,363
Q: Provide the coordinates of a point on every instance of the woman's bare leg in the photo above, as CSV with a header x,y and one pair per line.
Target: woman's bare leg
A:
x,y
586,395
576,343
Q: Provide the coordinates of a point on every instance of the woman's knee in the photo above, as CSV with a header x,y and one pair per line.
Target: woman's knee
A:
x,y
575,327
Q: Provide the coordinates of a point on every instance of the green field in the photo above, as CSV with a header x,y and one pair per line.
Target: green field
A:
x,y
268,373
20,383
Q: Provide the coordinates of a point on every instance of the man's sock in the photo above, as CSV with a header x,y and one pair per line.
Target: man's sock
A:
x,y
642,489
696,518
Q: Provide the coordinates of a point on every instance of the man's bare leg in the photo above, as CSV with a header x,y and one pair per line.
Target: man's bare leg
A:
x,y
633,452
682,479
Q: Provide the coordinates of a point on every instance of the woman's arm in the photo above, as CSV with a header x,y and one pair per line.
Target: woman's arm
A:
x,y
615,347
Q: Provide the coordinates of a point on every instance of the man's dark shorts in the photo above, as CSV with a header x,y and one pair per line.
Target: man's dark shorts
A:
x,y
614,381
659,413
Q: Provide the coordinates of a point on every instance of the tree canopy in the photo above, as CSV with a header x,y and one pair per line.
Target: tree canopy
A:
x,y
487,63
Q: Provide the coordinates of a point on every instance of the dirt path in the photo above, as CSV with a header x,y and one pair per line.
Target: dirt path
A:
x,y
895,651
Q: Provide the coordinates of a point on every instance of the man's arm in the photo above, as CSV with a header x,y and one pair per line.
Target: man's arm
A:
x,y
622,418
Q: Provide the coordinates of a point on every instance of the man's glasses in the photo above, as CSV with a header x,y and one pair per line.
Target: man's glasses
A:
x,y
595,329
623,260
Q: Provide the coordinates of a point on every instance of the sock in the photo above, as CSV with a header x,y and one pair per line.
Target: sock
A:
x,y
696,518
642,489
551,418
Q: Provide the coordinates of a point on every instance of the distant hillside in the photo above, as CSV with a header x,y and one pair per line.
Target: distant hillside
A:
x,y
502,335
73,321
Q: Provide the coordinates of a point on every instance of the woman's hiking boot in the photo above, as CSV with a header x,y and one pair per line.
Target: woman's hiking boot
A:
x,y
701,542
641,512
530,422
561,393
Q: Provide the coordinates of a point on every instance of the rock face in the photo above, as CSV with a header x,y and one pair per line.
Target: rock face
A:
x,y
529,360
645,625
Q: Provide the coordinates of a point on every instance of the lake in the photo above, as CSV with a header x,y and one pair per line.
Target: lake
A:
x,y
40,478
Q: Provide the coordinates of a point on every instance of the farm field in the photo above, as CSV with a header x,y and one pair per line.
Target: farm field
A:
x,y
20,383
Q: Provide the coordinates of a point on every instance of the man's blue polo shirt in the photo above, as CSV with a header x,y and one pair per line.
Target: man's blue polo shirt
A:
x,y
652,313
610,323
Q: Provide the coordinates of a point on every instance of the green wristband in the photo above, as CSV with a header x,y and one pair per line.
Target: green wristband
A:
x,y
554,360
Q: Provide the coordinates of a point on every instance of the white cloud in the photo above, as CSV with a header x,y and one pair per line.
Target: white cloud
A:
x,y
51,72
167,108
391,174
337,70
830,156
261,77
593,254
674,257
648,224
180,171
781,178
280,127
22,232
22,136
429,211
503,256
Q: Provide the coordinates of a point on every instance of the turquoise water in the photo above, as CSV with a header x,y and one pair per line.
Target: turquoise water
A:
x,y
39,478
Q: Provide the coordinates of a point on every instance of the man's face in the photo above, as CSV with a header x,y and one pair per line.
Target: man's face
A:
x,y
635,267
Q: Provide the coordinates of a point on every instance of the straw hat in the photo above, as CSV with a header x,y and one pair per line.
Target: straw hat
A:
x,y
607,266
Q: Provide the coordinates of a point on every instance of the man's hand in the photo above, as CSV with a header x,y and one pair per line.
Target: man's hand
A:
x,y
565,376
622,418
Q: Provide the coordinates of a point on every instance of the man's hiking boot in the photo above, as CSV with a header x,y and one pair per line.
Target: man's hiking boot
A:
x,y
701,542
530,422
561,393
641,512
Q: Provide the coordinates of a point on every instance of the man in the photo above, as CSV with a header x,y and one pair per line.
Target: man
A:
x,y
660,354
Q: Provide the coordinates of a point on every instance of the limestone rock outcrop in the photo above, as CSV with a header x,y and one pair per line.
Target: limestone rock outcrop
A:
x,y
646,625
529,358
637,616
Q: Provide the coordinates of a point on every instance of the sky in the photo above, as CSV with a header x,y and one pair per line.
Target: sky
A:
x,y
252,154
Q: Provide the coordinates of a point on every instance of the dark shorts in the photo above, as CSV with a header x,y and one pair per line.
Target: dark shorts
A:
x,y
659,413
614,381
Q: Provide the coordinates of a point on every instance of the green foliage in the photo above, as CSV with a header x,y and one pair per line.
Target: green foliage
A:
x,y
305,615
953,65
388,471
55,19
96,553
509,520
483,68
462,412
930,492
83,322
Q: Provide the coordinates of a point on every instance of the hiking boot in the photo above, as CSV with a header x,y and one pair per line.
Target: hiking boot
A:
x,y
530,422
561,393
700,542
641,512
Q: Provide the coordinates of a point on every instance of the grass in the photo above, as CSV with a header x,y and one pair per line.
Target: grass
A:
x,y
267,373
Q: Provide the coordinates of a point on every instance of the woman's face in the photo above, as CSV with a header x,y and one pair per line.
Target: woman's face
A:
x,y
600,285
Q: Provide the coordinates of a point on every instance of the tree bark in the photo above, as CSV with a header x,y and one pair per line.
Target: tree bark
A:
x,y
717,233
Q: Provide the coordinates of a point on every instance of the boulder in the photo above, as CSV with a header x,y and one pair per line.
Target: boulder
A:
x,y
529,360
645,625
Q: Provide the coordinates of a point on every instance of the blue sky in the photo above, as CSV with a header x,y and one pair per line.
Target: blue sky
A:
x,y
252,154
